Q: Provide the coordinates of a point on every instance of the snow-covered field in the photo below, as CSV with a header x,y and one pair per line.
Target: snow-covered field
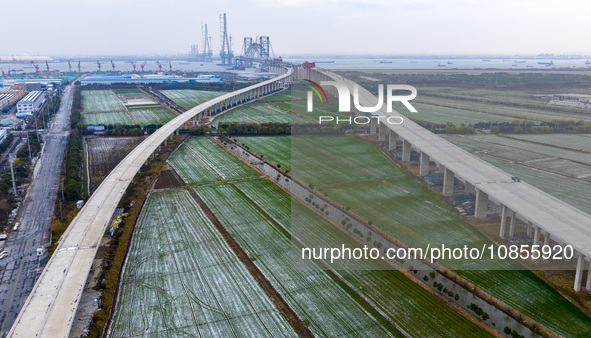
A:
x,y
181,279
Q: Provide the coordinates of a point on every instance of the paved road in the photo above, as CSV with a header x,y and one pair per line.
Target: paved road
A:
x,y
18,277
49,311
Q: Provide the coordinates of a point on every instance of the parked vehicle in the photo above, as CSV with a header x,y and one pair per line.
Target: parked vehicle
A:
x,y
3,254
3,237
15,227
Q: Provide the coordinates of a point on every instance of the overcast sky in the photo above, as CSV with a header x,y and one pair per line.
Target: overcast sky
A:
x,y
135,27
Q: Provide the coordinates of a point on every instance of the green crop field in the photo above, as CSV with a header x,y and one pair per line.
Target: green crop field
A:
x,y
110,118
233,116
299,107
127,91
144,117
143,105
568,141
100,101
402,300
517,149
277,149
405,303
188,98
163,114
439,114
267,113
295,100
525,291
414,219
201,160
490,96
182,279
504,104
259,113
281,96
312,294
192,168
484,111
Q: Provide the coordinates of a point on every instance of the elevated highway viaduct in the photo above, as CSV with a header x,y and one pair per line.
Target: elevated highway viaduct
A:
x,y
50,308
545,215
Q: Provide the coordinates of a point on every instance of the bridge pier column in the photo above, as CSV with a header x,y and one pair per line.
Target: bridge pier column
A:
x,y
529,226
469,188
392,140
588,283
382,130
512,224
424,164
546,238
448,182
579,273
406,151
536,235
503,220
373,125
481,206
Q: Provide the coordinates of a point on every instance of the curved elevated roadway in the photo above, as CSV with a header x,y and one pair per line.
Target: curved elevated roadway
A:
x,y
50,308
556,219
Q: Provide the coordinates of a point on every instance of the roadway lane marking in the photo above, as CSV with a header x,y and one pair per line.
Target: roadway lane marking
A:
x,y
77,248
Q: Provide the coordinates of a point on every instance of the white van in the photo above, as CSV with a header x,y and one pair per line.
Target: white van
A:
x,y
15,227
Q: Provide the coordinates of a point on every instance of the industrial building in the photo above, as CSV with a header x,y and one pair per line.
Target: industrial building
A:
x,y
136,79
10,82
30,104
4,104
14,92
3,135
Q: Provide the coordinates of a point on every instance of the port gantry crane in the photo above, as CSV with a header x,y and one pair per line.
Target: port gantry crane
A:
x,y
36,66
99,65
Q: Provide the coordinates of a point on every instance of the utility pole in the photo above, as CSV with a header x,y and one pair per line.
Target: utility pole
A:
x,y
12,175
29,146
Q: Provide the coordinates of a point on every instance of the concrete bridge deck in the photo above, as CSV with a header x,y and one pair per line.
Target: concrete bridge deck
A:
x,y
52,304
559,220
